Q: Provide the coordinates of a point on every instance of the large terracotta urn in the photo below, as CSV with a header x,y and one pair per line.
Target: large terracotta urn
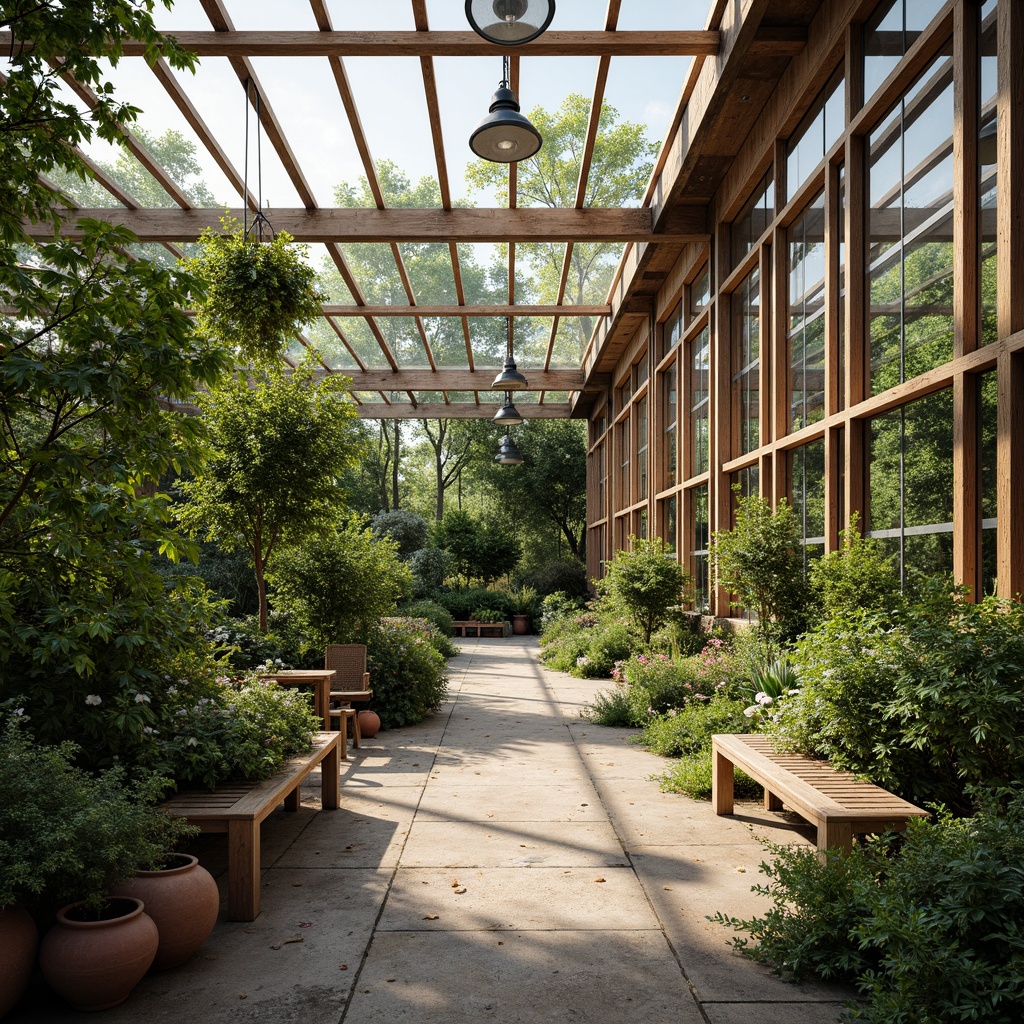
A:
x,y
183,901
19,939
95,962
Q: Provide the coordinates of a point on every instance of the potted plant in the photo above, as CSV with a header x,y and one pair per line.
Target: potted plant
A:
x,y
67,837
522,600
257,294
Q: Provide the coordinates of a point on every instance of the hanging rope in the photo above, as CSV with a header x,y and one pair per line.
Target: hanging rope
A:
x,y
259,220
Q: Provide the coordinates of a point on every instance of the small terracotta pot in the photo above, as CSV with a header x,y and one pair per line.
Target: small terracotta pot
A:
x,y
520,624
95,964
183,900
369,723
19,940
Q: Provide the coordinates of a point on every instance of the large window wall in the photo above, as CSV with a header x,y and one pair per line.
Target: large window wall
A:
x,y
847,339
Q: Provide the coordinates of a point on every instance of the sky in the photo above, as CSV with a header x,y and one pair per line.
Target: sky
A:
x,y
389,91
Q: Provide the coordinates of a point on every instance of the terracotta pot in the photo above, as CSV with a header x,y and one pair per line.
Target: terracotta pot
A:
x,y
183,901
369,723
95,964
520,624
19,939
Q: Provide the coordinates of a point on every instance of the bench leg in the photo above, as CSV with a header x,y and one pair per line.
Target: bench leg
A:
x,y
243,870
722,781
833,834
772,802
330,780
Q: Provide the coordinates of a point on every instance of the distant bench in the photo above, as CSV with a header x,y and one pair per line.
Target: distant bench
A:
x,y
471,627
837,803
238,808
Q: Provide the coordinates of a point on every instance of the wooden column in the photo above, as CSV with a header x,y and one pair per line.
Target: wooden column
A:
x,y
857,348
834,384
1010,451
719,408
777,384
966,296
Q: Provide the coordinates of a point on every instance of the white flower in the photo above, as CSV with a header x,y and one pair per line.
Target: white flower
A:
x,y
792,693
94,698
582,660
192,741
19,711
141,698
762,698
751,711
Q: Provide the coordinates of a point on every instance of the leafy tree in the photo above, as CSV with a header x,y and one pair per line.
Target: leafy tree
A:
x,y
550,486
279,444
619,172
477,550
38,125
337,586
407,529
647,582
760,560
452,445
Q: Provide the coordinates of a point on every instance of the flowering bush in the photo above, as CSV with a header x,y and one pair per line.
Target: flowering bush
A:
x,y
241,730
407,673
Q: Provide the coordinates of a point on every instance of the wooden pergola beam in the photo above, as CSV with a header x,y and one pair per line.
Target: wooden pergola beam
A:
x,y
451,379
234,43
409,225
333,309
458,410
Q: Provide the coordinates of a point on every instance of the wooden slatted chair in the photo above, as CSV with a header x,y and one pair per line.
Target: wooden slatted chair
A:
x,y
351,683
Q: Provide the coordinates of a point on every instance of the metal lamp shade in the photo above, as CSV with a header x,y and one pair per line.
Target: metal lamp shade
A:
x,y
508,453
510,379
509,22
504,135
508,415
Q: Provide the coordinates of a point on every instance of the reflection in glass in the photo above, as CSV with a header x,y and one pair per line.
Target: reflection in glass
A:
x,y
754,218
989,175
910,257
910,483
699,393
641,435
671,331
821,127
746,364
700,292
669,407
700,563
807,316
987,384
807,486
888,35
668,523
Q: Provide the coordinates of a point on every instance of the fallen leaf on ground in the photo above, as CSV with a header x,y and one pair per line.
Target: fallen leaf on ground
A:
x,y
430,917
284,942
598,879
461,889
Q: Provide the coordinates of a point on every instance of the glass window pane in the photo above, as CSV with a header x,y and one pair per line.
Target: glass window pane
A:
x,y
807,316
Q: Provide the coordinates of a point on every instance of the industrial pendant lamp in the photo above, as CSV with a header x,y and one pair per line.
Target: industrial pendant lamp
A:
x,y
508,415
510,379
508,453
504,135
509,22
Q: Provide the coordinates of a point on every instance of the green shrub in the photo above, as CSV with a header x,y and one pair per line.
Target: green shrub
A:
x,y
689,729
247,646
610,707
557,606
927,928
408,675
241,730
432,611
645,582
610,643
430,568
562,575
462,603
680,636
928,703
67,835
487,615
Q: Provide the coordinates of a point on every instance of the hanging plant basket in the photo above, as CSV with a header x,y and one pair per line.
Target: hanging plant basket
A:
x,y
258,293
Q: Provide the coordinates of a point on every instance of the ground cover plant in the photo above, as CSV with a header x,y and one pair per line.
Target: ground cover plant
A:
x,y
927,927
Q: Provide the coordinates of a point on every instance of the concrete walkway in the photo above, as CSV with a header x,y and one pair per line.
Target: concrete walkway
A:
x,y
504,861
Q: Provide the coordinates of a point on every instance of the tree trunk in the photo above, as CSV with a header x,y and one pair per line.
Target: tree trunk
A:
x,y
261,590
439,470
394,465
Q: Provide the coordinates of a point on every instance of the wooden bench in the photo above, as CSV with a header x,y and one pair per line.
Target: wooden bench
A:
x,y
238,808
479,629
837,803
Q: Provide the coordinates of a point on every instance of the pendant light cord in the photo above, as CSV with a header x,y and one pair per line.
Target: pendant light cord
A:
x,y
259,220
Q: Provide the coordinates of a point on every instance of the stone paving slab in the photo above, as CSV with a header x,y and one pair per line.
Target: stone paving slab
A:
x,y
483,800
495,844
522,978
549,899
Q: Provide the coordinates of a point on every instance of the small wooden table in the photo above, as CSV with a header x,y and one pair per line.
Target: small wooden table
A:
x,y
319,678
